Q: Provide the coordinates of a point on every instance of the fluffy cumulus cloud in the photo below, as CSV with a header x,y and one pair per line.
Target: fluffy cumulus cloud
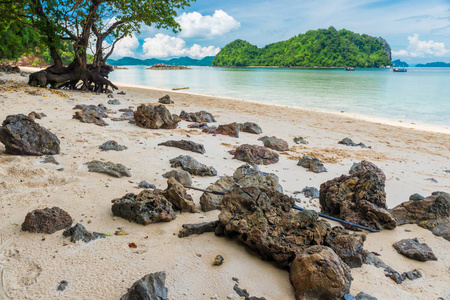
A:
x,y
195,25
162,46
418,48
125,47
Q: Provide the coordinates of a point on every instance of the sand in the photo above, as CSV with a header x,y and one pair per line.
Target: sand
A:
x,y
32,265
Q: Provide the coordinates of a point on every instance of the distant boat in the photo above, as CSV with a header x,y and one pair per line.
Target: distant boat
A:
x,y
399,70
349,69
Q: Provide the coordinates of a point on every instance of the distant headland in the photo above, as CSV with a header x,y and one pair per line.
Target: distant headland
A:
x,y
181,61
435,65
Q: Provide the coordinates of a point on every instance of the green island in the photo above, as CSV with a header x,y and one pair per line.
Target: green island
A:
x,y
315,48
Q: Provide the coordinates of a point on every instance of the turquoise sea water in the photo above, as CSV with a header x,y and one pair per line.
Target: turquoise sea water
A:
x,y
421,95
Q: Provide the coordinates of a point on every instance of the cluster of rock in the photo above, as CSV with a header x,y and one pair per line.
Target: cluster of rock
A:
x,y
155,117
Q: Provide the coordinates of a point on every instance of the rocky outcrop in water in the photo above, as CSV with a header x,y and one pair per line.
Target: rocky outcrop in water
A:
x,y
177,195
112,145
311,163
79,233
413,249
255,154
47,220
250,175
199,117
22,136
155,117
319,273
274,143
209,201
149,287
145,208
358,198
110,168
192,166
181,176
185,145
432,213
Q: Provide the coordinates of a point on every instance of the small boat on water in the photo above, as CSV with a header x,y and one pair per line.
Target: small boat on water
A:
x,y
400,70
349,69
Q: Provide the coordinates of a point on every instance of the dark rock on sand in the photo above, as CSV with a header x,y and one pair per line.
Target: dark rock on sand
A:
x,y
200,228
348,246
250,175
198,125
364,296
79,233
112,145
165,100
99,110
189,164
240,292
155,117
218,260
145,208
300,140
261,219
413,249
89,117
209,201
177,195
319,273
358,198
227,129
145,185
34,115
110,168
311,163
416,196
199,117
62,285
22,136
274,143
432,213
411,275
255,154
114,102
310,192
348,142
47,220
49,159
185,145
149,287
181,176
249,127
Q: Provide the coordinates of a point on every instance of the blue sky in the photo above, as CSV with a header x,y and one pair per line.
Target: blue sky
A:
x,y
418,31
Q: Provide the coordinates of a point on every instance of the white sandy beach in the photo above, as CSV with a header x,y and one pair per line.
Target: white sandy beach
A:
x,y
32,265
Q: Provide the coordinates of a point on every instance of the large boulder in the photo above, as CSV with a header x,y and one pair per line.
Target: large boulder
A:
x,y
358,198
192,166
209,201
185,145
155,117
255,154
274,143
22,136
145,208
149,287
319,274
177,195
250,175
199,117
262,220
432,213
47,220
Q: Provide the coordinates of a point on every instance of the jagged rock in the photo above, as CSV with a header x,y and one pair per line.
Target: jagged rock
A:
x,y
364,296
432,213
199,117
255,154
198,125
274,143
145,208
189,164
227,129
145,185
310,192
311,163
413,249
189,229
181,176
177,195
348,142
185,145
346,245
112,145
79,233
155,117
209,201
114,101
99,110
110,168
319,273
261,219
34,115
49,159
416,197
300,140
22,136
250,175
240,292
249,127
89,117
47,220
149,287
358,198
165,100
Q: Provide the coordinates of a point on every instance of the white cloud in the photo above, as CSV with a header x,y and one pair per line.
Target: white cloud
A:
x,y
125,47
418,48
162,46
195,25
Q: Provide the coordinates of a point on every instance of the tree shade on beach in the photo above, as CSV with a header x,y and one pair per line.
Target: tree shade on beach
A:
x,y
322,48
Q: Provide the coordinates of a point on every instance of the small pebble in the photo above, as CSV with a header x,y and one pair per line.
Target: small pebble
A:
x,y
214,296
62,285
218,260
230,296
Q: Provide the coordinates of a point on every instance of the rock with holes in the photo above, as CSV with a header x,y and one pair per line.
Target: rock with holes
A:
x,y
177,195
192,166
250,175
149,287
185,145
348,246
22,136
274,143
47,220
255,154
209,201
155,117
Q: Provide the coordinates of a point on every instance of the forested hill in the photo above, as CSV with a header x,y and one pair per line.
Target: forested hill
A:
x,y
322,47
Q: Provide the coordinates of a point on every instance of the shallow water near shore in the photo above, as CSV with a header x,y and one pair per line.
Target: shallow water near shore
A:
x,y
420,95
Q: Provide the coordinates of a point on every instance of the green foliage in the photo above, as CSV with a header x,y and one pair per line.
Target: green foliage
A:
x,y
322,47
